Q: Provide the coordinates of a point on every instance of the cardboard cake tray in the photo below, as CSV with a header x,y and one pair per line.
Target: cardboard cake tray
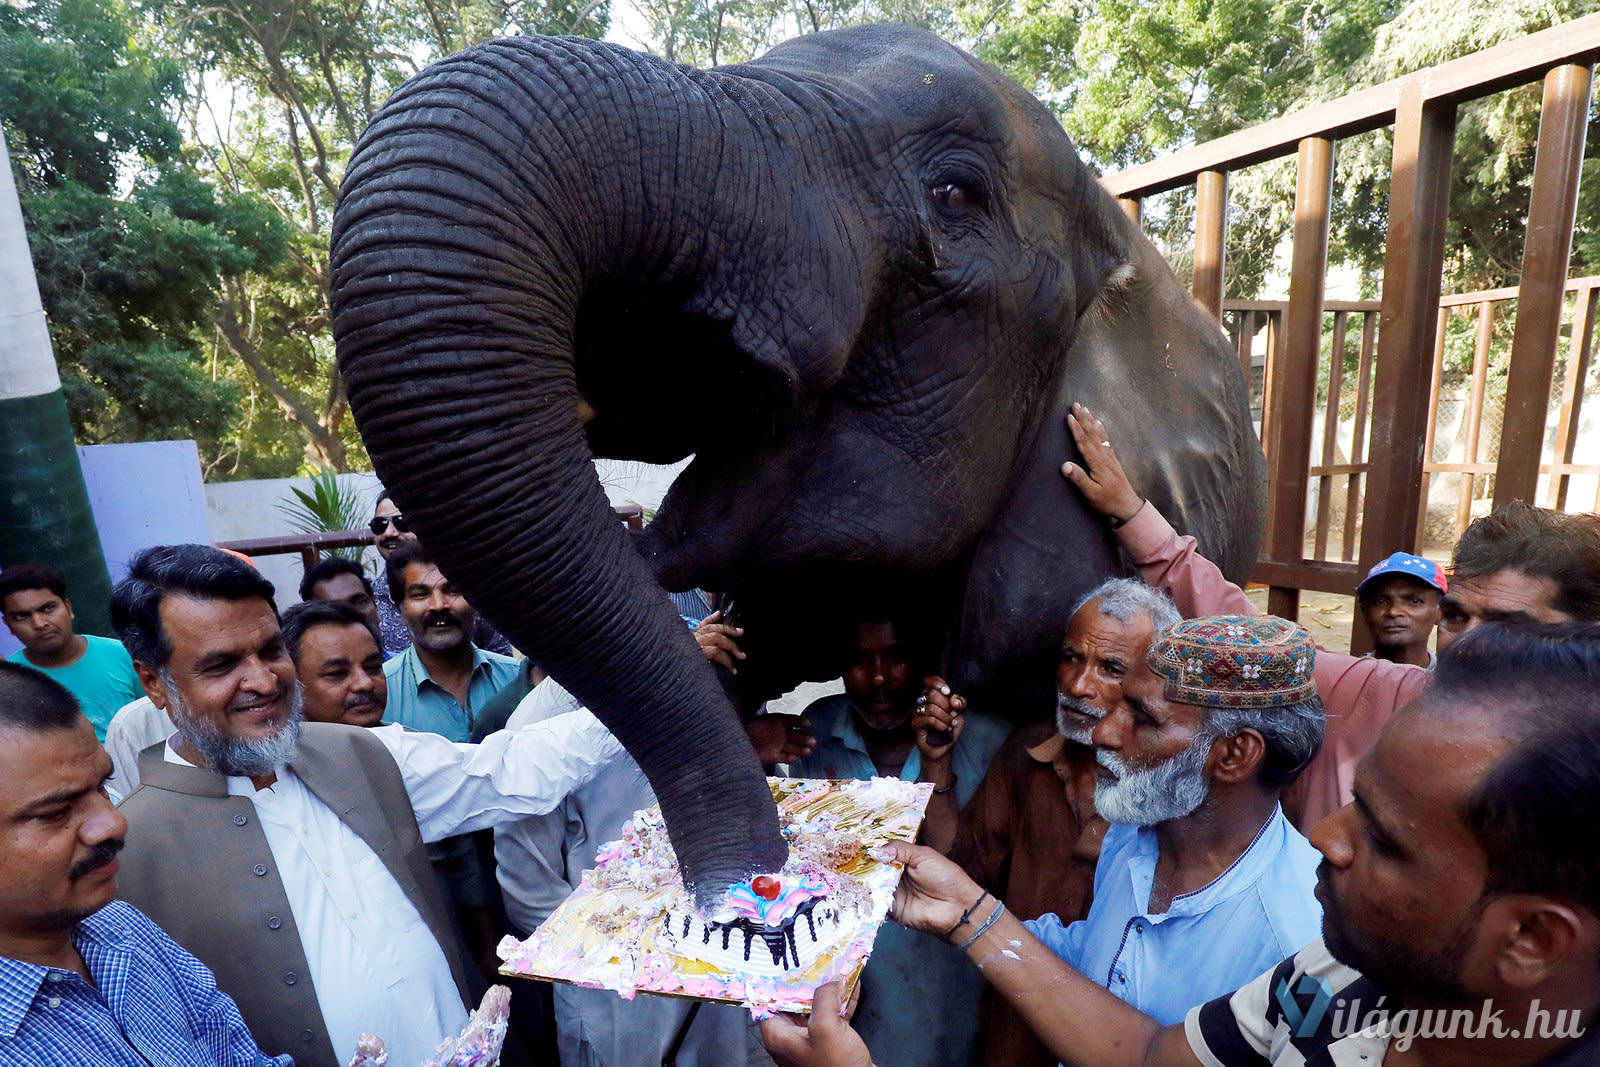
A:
x,y
607,934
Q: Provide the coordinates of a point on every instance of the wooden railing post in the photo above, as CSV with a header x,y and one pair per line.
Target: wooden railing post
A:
x,y
1480,377
1358,432
1210,231
1247,337
1434,382
1133,207
1330,434
1295,394
1270,361
1583,316
1413,260
1546,247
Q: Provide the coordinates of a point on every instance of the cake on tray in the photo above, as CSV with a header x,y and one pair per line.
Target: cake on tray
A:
x,y
632,927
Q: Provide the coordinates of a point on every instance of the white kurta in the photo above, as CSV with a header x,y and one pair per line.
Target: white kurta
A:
x,y
375,965
136,726
541,860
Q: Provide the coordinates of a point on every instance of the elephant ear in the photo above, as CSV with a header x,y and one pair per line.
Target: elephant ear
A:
x,y
1161,374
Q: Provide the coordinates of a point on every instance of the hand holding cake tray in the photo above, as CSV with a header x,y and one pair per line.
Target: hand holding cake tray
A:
x,y
632,927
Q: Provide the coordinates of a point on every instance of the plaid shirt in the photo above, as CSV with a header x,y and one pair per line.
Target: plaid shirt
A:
x,y
151,1005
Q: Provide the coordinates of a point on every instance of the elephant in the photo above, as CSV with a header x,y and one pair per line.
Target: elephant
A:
x,y
860,280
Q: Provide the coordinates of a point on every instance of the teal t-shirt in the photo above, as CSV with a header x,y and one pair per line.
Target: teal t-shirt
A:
x,y
103,679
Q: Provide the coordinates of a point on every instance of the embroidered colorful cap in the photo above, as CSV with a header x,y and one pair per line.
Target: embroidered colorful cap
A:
x,y
1412,567
1236,661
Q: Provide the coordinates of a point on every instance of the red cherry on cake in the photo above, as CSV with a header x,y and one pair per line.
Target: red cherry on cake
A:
x,y
766,886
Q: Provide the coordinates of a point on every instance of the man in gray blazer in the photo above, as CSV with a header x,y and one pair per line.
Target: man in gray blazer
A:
x,y
288,855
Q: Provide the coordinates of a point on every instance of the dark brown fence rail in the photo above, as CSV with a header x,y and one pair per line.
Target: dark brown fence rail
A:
x,y
1390,471
311,546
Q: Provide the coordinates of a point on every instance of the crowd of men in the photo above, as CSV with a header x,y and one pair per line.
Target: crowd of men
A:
x,y
243,837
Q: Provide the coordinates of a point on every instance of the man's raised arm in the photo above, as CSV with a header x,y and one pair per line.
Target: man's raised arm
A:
x,y
457,788
1359,693
1165,560
1077,1020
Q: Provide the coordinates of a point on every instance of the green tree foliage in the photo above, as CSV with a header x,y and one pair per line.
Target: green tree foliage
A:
x,y
1496,137
278,92
1134,79
707,33
129,247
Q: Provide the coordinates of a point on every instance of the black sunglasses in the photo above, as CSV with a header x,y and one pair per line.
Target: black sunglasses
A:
x,y
381,523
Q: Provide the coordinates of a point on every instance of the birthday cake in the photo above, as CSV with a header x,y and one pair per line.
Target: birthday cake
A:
x,y
632,927
772,925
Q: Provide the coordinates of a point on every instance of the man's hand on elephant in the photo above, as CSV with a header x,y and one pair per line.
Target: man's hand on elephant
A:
x,y
934,892
938,709
780,738
1101,479
822,1039
716,641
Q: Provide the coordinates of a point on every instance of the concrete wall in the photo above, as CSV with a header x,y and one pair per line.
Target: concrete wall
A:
x,y
241,510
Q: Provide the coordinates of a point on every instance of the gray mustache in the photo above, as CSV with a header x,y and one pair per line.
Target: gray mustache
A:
x,y
1082,707
1108,759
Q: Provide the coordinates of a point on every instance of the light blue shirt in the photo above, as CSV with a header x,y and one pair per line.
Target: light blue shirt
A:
x,y
841,752
417,701
919,996
1250,918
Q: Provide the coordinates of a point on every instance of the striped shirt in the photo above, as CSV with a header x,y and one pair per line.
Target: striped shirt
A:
x,y
151,1005
1313,1011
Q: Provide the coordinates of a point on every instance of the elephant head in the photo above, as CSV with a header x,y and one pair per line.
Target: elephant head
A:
x,y
858,280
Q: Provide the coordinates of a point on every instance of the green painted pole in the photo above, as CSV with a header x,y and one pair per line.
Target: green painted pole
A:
x,y
44,505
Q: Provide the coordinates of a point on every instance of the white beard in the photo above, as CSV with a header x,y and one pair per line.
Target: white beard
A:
x,y
232,756
1158,794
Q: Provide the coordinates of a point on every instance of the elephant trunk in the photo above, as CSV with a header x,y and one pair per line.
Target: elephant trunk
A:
x,y
482,202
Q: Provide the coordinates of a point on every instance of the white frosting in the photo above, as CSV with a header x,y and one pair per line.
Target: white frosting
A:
x,y
750,950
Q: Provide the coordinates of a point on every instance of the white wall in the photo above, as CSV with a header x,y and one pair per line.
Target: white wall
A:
x,y
242,510
144,494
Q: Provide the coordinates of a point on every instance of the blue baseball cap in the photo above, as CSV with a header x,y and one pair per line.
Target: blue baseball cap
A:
x,y
1418,567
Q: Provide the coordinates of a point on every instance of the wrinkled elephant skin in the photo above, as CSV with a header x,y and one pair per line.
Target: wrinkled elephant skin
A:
x,y
858,279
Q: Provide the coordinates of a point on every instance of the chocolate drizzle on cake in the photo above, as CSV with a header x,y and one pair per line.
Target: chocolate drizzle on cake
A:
x,y
779,940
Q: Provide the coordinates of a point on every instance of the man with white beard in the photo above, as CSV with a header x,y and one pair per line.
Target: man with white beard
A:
x,y
1202,882
1030,835
288,855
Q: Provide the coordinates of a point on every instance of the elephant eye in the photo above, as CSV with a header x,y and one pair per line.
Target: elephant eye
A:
x,y
952,196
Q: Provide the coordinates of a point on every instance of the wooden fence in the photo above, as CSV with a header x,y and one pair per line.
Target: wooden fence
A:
x,y
1396,384
1354,322
310,547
